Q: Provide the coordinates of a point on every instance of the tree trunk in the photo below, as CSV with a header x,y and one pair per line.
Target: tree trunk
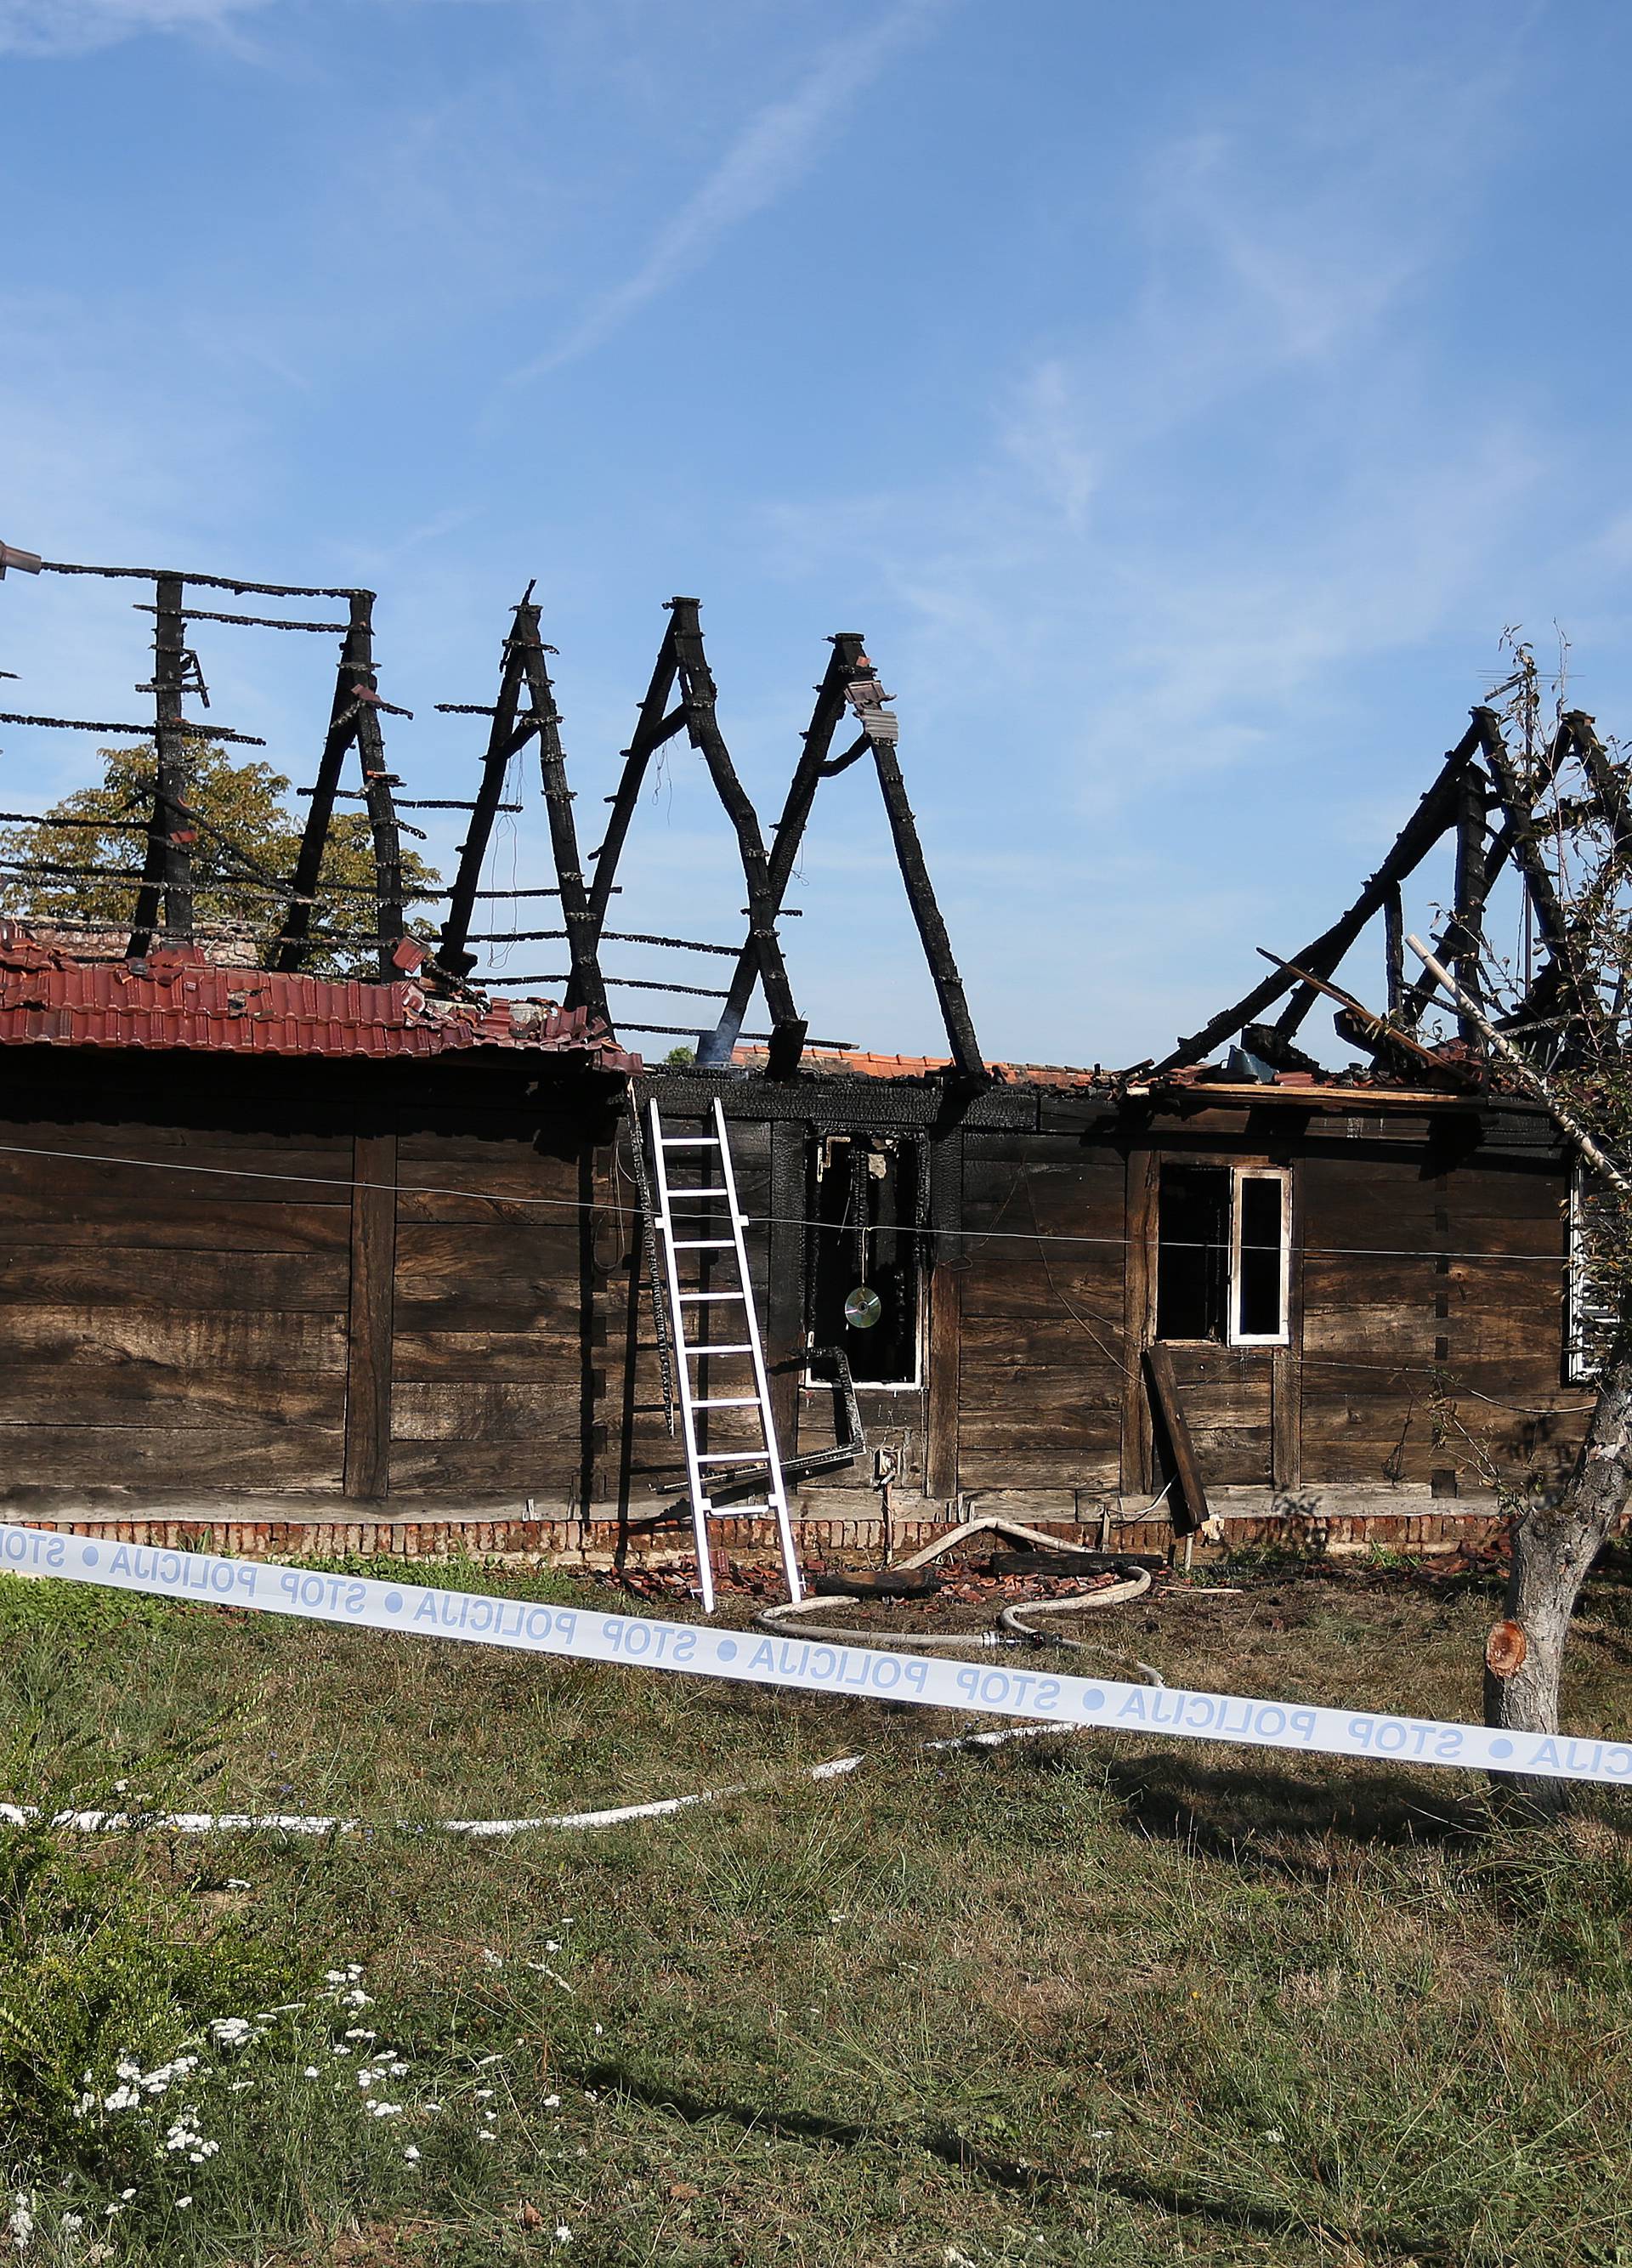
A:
x,y
1554,1546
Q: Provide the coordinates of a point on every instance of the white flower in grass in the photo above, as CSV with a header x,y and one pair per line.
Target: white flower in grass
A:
x,y
125,2069
552,1945
484,2094
486,2060
355,1998
412,2154
398,2070
122,2098
366,2078
21,2220
357,2032
311,2072
340,2051
433,2106
182,2202
563,2234
73,2220
126,2195
552,2103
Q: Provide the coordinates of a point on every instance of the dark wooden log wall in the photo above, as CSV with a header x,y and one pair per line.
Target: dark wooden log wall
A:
x,y
496,1377
172,1327
1042,1366
164,1329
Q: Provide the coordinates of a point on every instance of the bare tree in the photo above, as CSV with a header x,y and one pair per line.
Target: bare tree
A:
x,y
1562,1031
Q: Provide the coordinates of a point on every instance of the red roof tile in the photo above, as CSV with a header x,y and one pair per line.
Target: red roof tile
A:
x,y
176,998
857,1062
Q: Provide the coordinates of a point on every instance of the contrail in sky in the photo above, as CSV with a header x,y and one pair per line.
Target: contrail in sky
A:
x,y
769,154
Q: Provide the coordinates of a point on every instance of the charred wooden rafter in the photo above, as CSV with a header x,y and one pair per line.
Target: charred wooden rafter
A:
x,y
682,667
1434,815
852,682
353,722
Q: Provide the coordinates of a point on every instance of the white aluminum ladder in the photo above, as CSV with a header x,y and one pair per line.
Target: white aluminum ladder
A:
x,y
745,1347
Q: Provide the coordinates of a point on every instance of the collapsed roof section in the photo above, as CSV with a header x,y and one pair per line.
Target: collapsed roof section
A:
x,y
173,997
1480,781
681,697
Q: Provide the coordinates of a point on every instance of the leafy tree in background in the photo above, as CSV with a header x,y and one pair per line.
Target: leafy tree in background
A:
x,y
244,802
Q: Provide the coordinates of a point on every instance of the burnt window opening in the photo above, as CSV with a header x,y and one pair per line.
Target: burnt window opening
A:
x,y
1192,1252
867,1238
1223,1254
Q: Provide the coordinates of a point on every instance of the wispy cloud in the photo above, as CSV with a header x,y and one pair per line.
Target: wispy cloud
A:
x,y
74,27
768,155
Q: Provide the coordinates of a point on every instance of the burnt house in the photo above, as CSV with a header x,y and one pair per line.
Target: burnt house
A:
x,y
293,1260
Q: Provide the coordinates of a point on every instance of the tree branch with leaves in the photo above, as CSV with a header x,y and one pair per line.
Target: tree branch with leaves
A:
x,y
246,839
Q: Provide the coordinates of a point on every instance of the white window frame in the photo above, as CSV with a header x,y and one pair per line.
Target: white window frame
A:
x,y
1588,1315
1282,1176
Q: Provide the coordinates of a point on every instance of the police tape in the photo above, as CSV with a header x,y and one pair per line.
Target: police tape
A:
x,y
796,1665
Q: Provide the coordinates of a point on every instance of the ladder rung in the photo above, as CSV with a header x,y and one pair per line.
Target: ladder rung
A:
x,y
691,1142
729,1402
732,1457
714,1295
737,1510
743,1348
701,1243
697,1193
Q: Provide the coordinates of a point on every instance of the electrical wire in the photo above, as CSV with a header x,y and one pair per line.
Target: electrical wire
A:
x,y
783,1220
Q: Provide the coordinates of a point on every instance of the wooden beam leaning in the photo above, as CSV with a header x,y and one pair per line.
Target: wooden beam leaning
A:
x,y
652,727
1417,996
450,950
586,988
382,816
356,656
1393,950
1433,816
867,697
1517,792
1140,1215
698,696
715,1048
1472,888
167,870
1195,1513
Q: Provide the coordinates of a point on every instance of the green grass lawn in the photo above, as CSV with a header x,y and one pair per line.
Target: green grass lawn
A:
x,y
1076,1998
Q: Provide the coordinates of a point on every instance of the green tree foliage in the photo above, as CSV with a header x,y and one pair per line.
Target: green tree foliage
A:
x,y
242,803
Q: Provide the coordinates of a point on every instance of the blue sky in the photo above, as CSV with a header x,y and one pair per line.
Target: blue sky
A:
x,y
1180,398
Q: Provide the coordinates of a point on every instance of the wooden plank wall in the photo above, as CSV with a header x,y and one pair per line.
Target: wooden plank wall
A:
x,y
164,1326
1040,1342
498,1378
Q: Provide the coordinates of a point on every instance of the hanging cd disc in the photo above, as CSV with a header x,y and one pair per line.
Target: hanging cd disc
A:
x,y
862,1308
